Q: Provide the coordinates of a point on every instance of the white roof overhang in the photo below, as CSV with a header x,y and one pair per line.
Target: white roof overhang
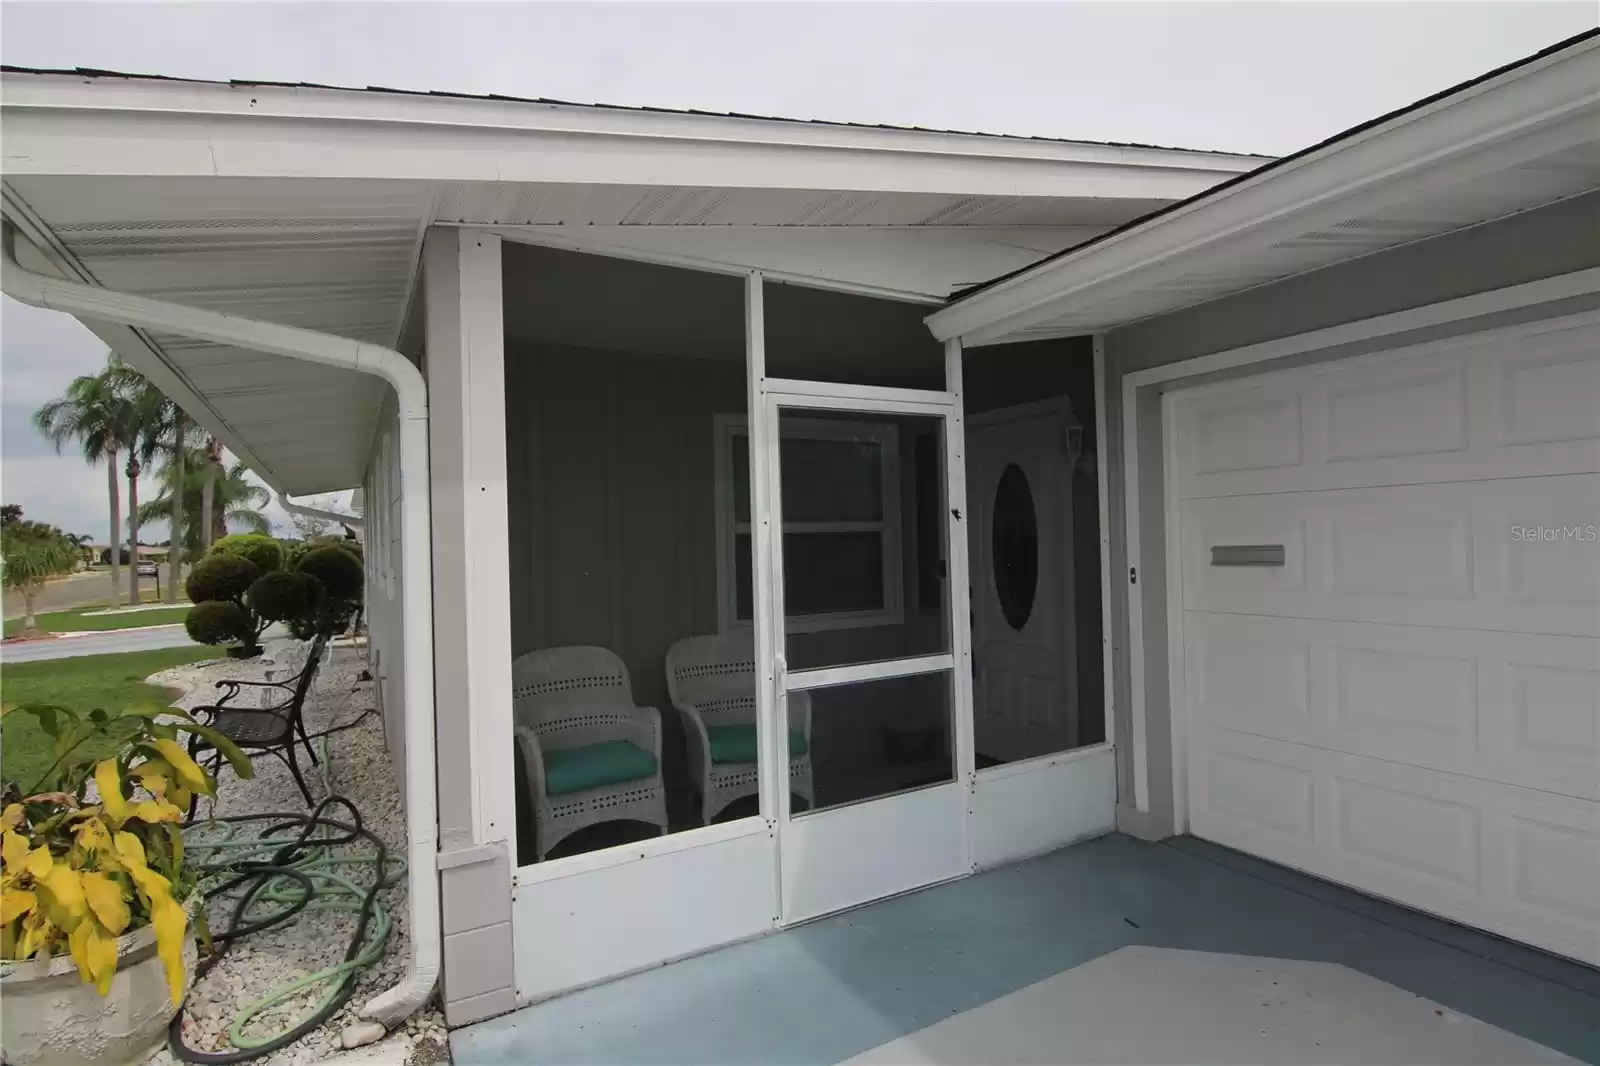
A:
x,y
1519,138
307,206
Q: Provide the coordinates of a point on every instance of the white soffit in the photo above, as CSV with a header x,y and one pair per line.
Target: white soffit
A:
x,y
1511,142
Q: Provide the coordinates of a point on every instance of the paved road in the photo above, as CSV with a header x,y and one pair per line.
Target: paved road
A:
x,y
79,590
95,644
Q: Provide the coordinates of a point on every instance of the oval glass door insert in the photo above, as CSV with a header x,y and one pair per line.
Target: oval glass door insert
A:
x,y
1016,546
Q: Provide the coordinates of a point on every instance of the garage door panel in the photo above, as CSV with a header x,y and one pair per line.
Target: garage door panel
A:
x,y
1392,413
1518,708
1516,861
1473,408
1410,702
1549,392
1246,430
1516,554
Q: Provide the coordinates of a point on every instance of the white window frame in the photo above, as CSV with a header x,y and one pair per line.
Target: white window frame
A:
x,y
728,429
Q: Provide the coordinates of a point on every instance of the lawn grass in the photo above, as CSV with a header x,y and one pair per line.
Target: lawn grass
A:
x,y
78,621
115,682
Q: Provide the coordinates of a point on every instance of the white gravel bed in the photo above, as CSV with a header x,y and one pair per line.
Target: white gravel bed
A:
x,y
313,940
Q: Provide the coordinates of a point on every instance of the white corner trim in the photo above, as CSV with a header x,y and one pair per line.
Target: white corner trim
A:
x,y
1170,377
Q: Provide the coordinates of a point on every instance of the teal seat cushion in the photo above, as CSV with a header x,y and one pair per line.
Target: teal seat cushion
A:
x,y
610,762
737,743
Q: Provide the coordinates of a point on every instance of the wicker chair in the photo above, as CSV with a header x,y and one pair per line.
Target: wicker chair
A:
x,y
590,755
711,680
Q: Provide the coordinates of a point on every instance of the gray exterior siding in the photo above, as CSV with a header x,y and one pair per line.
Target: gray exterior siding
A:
x,y
1547,242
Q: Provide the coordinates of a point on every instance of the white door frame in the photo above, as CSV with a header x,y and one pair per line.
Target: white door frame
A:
x,y
926,805
1163,380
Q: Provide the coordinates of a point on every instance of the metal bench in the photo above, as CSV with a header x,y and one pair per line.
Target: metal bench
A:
x,y
264,716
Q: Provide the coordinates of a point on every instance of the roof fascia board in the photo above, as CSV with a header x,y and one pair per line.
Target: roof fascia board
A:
x,y
62,129
55,142
1537,109
218,101
131,343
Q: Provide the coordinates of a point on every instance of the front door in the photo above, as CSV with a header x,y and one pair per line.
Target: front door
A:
x,y
1019,489
868,697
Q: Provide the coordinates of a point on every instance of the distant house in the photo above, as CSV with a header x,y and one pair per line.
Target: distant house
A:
x,y
156,553
824,511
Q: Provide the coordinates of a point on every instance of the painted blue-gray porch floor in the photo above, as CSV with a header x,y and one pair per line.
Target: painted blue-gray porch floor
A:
x,y
829,990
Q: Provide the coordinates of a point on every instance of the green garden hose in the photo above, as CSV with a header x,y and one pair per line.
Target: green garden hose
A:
x,y
291,865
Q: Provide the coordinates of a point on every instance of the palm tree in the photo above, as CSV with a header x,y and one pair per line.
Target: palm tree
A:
x,y
33,553
237,501
163,429
212,461
98,415
84,542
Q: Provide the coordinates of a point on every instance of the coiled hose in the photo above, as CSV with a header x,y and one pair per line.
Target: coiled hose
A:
x,y
290,865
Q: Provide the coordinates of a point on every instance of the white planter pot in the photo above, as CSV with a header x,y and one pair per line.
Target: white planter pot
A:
x,y
50,1017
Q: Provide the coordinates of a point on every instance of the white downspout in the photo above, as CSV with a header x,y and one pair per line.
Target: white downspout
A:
x,y
416,606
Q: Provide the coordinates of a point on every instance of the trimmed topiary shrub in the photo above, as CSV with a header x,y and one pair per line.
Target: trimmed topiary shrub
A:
x,y
305,626
339,571
279,596
219,622
342,580
221,577
259,548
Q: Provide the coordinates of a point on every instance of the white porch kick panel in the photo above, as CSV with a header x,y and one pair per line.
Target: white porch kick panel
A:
x,y
1030,808
599,923
1411,703
851,855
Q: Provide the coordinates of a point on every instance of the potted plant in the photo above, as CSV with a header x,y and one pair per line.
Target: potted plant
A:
x,y
96,948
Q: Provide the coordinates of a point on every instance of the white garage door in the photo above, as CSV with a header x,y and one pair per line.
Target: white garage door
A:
x,y
1410,703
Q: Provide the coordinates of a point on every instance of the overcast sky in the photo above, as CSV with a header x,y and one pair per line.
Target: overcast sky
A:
x,y
1267,78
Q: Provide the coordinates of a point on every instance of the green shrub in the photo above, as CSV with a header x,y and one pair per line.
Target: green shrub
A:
x,y
221,577
259,548
339,571
307,625
315,592
293,552
279,596
219,622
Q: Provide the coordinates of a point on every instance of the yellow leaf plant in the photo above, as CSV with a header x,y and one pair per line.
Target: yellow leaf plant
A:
x,y
79,870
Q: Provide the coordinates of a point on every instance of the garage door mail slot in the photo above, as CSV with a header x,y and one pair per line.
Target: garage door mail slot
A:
x,y
1247,555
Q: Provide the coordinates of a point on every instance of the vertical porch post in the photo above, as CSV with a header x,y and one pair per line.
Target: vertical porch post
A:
x,y
465,366
955,452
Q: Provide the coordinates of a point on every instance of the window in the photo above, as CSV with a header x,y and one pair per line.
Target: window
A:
x,y
841,523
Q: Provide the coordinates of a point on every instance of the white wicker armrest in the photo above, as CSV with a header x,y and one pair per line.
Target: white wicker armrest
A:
x,y
533,758
645,731
698,741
